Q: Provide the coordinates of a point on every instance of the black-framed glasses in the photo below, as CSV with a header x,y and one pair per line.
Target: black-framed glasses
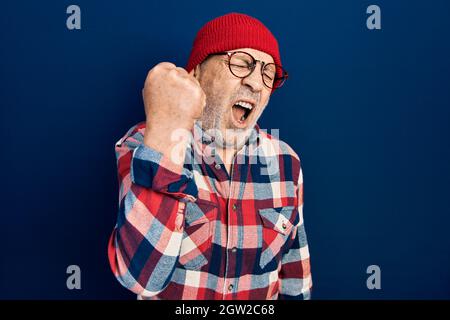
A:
x,y
242,64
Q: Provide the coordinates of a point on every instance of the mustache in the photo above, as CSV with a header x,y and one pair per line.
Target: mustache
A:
x,y
245,93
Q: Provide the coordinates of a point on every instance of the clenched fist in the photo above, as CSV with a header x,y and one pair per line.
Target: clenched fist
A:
x,y
172,97
173,100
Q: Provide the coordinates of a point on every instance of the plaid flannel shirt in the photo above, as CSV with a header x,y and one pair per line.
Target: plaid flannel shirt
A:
x,y
195,231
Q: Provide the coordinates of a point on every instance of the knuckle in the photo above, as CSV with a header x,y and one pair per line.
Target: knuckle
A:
x,y
173,73
161,67
151,72
166,65
181,70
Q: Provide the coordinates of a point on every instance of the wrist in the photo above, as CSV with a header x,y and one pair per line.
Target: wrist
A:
x,y
171,142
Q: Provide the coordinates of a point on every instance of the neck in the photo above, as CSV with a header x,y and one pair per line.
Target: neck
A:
x,y
227,156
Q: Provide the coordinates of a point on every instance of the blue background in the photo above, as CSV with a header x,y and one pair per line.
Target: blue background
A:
x,y
368,112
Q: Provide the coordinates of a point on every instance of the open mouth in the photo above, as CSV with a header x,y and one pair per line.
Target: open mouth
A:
x,y
241,111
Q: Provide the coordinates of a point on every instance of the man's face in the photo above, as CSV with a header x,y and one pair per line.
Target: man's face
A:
x,y
228,98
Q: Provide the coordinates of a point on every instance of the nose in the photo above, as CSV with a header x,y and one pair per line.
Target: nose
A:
x,y
254,80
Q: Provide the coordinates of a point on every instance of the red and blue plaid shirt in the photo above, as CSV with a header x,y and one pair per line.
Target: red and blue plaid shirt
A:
x,y
195,231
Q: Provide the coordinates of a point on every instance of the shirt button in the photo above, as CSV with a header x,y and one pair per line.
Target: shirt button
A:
x,y
234,207
234,249
230,287
218,166
284,226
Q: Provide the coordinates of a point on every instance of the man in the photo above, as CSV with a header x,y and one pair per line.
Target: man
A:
x,y
211,205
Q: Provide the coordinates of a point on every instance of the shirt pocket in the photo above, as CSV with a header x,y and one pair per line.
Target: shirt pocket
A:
x,y
197,235
277,225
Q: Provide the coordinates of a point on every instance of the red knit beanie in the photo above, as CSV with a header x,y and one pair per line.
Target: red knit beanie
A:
x,y
229,32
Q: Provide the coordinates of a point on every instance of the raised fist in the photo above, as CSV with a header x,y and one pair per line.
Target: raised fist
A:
x,y
172,97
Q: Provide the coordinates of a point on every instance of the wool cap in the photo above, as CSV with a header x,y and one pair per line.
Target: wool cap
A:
x,y
229,32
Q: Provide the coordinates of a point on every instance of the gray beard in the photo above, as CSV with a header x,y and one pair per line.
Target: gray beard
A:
x,y
211,121
212,118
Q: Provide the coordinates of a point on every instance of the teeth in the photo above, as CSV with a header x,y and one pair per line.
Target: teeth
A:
x,y
242,118
245,105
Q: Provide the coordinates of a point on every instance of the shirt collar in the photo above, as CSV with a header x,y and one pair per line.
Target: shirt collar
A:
x,y
206,139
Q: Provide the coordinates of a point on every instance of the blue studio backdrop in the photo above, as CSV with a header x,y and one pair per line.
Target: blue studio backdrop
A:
x,y
367,111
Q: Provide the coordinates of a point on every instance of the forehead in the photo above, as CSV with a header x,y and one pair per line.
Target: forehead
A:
x,y
258,55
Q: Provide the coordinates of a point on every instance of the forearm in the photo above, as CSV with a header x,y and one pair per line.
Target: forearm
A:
x,y
171,142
